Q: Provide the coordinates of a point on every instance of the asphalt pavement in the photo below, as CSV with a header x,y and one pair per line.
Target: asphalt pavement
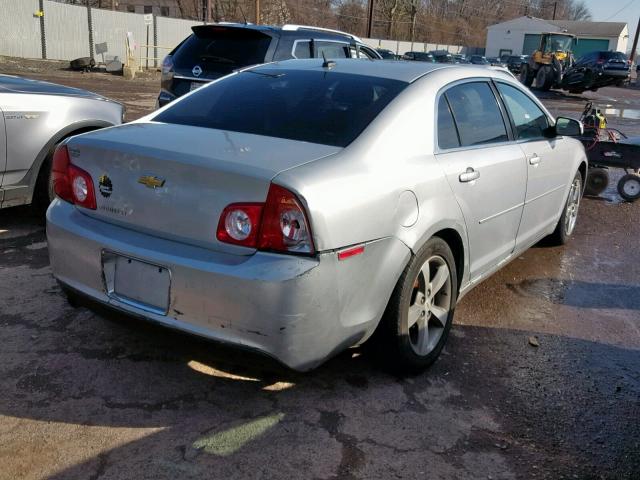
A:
x,y
540,378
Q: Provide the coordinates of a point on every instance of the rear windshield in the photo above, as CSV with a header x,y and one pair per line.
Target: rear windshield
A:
x,y
219,49
312,106
614,56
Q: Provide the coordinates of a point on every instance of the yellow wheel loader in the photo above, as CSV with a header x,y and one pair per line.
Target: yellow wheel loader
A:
x,y
548,64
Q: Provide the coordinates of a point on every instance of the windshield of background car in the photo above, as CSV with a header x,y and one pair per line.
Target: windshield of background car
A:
x,y
222,50
614,56
317,106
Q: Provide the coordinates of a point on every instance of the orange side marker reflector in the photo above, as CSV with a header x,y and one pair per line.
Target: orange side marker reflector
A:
x,y
343,255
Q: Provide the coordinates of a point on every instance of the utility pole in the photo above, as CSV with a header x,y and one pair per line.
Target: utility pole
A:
x,y
257,12
555,6
369,18
635,44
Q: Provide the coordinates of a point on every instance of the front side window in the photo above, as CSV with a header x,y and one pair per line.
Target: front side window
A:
x,y
530,121
476,113
322,107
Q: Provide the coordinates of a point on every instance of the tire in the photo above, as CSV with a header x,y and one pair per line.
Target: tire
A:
x,y
43,194
629,187
597,181
544,78
410,348
526,75
566,224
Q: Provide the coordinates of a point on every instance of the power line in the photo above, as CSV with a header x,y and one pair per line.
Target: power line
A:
x,y
623,8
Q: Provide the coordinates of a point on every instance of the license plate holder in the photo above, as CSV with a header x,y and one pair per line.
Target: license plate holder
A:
x,y
195,85
137,283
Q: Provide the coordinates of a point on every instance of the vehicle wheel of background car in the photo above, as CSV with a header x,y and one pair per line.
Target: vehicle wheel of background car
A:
x,y
597,181
629,187
544,78
569,217
419,315
526,76
43,194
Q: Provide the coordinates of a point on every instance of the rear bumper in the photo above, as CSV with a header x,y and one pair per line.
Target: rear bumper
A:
x,y
299,310
615,73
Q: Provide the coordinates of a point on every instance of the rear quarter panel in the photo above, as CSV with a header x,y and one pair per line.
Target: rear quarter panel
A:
x,y
36,122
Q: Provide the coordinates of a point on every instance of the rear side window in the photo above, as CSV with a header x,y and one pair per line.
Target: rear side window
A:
x,y
529,120
447,133
332,49
476,113
219,49
302,49
312,106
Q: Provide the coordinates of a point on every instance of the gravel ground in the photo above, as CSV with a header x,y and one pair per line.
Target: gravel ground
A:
x,y
92,395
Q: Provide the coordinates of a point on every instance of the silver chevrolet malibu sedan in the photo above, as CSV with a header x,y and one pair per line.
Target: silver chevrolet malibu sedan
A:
x,y
303,207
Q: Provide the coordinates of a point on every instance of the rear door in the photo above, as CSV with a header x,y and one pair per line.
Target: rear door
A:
x,y
485,169
547,164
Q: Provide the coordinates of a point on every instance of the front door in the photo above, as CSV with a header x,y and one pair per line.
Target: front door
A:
x,y
486,171
548,170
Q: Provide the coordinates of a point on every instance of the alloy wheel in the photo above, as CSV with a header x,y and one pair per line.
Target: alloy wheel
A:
x,y
573,203
429,305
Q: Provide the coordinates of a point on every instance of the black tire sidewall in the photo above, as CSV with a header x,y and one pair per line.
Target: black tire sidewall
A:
x,y
599,173
407,358
622,181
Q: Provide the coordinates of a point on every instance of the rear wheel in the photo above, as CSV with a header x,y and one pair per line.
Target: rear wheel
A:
x,y
418,318
43,194
569,217
629,187
526,75
597,181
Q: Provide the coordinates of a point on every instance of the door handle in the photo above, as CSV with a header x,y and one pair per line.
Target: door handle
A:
x,y
534,159
469,176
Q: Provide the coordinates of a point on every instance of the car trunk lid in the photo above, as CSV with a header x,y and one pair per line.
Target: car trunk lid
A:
x,y
173,181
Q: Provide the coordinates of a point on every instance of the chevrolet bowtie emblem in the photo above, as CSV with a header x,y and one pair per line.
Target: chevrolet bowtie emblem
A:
x,y
151,182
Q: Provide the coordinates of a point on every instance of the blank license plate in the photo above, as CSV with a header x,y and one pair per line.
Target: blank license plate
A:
x,y
142,283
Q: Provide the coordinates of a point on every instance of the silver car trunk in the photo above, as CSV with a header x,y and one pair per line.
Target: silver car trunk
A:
x,y
173,181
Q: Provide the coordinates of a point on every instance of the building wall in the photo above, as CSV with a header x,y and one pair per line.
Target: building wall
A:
x,y
510,35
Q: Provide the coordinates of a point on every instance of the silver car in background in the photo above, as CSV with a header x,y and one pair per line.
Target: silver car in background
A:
x,y
34,117
303,207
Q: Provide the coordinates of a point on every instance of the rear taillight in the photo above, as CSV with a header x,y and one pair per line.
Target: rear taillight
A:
x,y
70,182
285,227
240,224
278,225
166,76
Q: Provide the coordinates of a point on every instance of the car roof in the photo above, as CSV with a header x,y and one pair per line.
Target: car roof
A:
x,y
284,31
391,69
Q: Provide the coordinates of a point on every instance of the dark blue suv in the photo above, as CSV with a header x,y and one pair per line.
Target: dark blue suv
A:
x,y
213,51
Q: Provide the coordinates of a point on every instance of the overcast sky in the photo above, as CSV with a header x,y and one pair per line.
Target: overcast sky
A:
x,y
616,11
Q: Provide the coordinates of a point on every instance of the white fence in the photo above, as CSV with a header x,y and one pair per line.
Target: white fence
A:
x,y
399,47
67,31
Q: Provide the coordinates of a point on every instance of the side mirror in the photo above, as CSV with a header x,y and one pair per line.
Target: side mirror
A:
x,y
568,127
